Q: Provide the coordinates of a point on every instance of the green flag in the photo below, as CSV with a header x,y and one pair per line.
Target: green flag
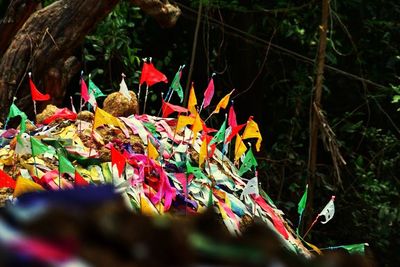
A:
x,y
248,162
220,135
15,111
356,248
195,170
95,90
352,249
38,147
302,204
210,198
176,84
64,165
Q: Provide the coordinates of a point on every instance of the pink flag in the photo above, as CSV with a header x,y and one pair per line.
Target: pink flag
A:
x,y
232,117
84,91
208,93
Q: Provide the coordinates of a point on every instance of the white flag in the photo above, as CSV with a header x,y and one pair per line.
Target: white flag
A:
x,y
123,88
250,188
328,211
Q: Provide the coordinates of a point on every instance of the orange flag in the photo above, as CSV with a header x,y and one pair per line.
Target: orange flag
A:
x,y
102,117
240,147
197,126
183,121
192,101
203,152
223,102
24,185
252,131
151,150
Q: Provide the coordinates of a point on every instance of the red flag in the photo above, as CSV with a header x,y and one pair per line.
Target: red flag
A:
x,y
36,95
117,159
232,117
63,113
208,93
151,75
235,130
84,91
168,108
6,180
279,226
79,181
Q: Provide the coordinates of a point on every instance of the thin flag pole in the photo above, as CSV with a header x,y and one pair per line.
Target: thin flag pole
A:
x,y
80,101
145,98
311,226
162,99
8,118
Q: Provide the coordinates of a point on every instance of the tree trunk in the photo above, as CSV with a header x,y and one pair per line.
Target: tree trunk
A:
x,y
45,46
314,125
17,13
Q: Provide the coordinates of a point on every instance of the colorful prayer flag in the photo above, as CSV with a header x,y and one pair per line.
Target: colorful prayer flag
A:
x,y
36,94
203,155
64,165
220,135
328,211
6,180
183,121
38,147
223,103
102,117
252,131
150,75
151,150
208,93
168,108
197,126
235,130
84,91
117,159
248,162
24,185
192,102
176,84
123,88
79,180
240,147
15,111
232,117
251,188
302,204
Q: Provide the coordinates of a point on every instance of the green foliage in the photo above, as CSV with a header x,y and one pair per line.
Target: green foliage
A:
x,y
113,48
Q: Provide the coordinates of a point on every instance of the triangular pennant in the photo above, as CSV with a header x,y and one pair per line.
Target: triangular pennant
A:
x,y
38,147
252,131
223,103
79,180
150,75
168,108
36,95
208,93
6,180
24,185
117,159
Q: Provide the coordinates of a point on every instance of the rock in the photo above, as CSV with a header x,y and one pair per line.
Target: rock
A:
x,y
85,116
119,106
50,110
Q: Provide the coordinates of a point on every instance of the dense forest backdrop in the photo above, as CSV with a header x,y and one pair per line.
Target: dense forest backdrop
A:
x,y
266,50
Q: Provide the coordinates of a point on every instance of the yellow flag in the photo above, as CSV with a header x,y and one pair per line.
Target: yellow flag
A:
x,y
146,207
203,152
152,151
252,131
24,185
102,117
315,248
183,121
197,126
223,102
192,101
240,147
